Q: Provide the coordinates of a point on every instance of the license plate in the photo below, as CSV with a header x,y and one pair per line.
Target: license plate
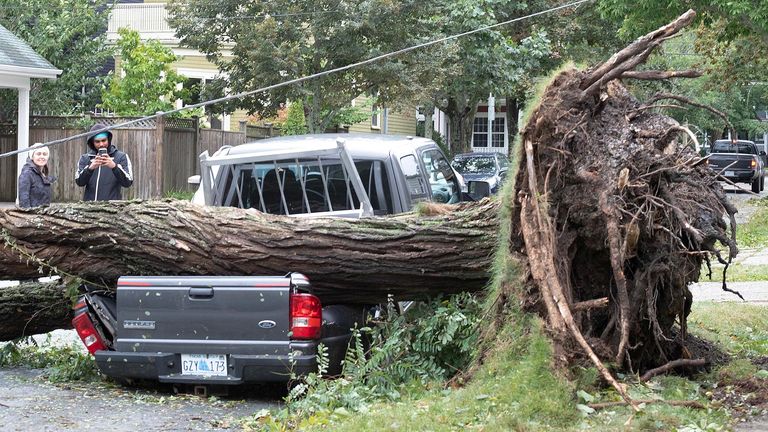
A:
x,y
204,364
729,173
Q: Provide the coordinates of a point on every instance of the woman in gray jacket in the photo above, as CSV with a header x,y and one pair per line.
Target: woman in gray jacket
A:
x,y
35,181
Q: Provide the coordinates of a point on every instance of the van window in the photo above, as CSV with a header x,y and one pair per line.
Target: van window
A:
x,y
441,178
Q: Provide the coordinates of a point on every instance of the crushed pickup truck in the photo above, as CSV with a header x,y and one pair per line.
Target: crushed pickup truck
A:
x,y
213,330
738,161
207,330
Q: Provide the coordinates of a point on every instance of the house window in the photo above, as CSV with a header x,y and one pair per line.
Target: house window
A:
x,y
480,132
497,135
375,118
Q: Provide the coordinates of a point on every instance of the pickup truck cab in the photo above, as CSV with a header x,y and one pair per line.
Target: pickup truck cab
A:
x,y
738,161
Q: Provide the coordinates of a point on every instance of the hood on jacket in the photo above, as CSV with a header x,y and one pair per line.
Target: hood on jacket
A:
x,y
93,133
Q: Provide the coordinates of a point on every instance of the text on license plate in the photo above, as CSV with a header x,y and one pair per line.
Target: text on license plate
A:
x,y
729,173
204,364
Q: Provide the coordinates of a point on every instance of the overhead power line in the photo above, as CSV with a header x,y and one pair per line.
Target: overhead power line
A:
x,y
301,79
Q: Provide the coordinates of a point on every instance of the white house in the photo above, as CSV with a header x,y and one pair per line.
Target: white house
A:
x,y
19,63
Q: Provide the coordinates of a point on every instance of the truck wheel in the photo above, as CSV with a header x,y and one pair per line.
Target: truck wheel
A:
x,y
756,185
762,183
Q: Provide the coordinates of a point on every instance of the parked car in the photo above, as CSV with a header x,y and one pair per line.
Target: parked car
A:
x,y
738,161
483,172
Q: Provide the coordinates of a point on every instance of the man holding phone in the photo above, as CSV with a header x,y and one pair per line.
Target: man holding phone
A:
x,y
104,170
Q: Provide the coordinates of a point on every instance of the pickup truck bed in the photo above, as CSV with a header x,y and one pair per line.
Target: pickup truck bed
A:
x,y
216,330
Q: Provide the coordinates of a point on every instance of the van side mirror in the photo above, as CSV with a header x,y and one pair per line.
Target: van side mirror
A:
x,y
194,180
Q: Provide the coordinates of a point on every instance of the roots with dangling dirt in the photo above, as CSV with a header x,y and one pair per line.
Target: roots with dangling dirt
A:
x,y
616,217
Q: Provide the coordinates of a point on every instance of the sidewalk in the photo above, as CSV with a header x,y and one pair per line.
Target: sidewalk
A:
x,y
4,205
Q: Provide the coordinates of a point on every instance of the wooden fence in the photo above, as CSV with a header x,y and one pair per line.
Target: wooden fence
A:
x,y
163,153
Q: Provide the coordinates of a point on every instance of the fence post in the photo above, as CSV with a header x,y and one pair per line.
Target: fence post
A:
x,y
156,189
196,147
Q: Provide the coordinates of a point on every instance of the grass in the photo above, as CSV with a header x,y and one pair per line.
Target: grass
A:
x,y
736,273
754,233
515,390
740,328
179,195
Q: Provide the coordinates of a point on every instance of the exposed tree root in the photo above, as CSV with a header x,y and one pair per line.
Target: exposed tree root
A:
x,y
671,365
617,216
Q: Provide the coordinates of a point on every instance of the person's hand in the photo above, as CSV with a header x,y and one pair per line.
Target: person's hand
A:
x,y
109,162
103,160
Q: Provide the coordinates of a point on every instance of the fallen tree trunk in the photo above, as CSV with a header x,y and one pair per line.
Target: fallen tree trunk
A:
x,y
360,261
32,308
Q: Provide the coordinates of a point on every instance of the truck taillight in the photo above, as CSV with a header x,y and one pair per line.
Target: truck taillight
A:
x,y
87,332
306,316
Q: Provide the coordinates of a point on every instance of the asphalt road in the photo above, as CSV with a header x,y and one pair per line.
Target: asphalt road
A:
x,y
28,403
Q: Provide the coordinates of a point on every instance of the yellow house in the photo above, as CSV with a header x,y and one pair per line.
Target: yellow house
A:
x,y
150,20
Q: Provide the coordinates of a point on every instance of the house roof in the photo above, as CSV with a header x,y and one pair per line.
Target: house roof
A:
x,y
18,58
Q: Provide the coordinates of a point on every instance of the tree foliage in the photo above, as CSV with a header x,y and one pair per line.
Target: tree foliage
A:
x,y
499,61
258,44
733,34
295,123
738,101
70,35
146,84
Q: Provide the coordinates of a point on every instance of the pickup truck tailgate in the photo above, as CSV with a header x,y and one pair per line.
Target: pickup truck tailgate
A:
x,y
221,315
731,161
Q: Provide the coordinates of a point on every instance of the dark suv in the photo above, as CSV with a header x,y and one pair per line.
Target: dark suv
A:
x,y
484,173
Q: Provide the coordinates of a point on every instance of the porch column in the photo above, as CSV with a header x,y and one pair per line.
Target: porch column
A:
x,y
22,131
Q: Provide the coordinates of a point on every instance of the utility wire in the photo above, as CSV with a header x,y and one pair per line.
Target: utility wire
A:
x,y
297,80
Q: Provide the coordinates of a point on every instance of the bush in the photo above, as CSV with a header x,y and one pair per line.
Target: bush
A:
x,y
430,345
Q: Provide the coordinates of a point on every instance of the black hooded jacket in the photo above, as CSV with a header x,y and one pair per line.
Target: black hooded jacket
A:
x,y
34,186
103,184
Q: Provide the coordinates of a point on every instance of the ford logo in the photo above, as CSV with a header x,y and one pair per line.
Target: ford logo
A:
x,y
267,324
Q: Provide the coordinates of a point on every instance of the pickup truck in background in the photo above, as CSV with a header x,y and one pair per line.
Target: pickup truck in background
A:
x,y
738,161
223,330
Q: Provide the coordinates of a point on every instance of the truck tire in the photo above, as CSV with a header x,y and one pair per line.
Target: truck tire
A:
x,y
756,185
762,183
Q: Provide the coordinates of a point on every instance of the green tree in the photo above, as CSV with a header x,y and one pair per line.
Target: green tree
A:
x,y
733,34
500,61
272,42
294,124
70,35
147,83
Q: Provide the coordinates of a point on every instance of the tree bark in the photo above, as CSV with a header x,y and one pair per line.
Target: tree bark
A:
x,y
461,114
33,308
361,261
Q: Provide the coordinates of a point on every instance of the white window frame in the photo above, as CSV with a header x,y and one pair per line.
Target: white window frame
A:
x,y
490,146
203,76
375,118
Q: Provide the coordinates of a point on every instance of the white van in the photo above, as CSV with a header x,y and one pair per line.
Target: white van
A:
x,y
313,175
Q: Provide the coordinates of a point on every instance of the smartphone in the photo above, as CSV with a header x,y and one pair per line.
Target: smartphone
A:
x,y
102,152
